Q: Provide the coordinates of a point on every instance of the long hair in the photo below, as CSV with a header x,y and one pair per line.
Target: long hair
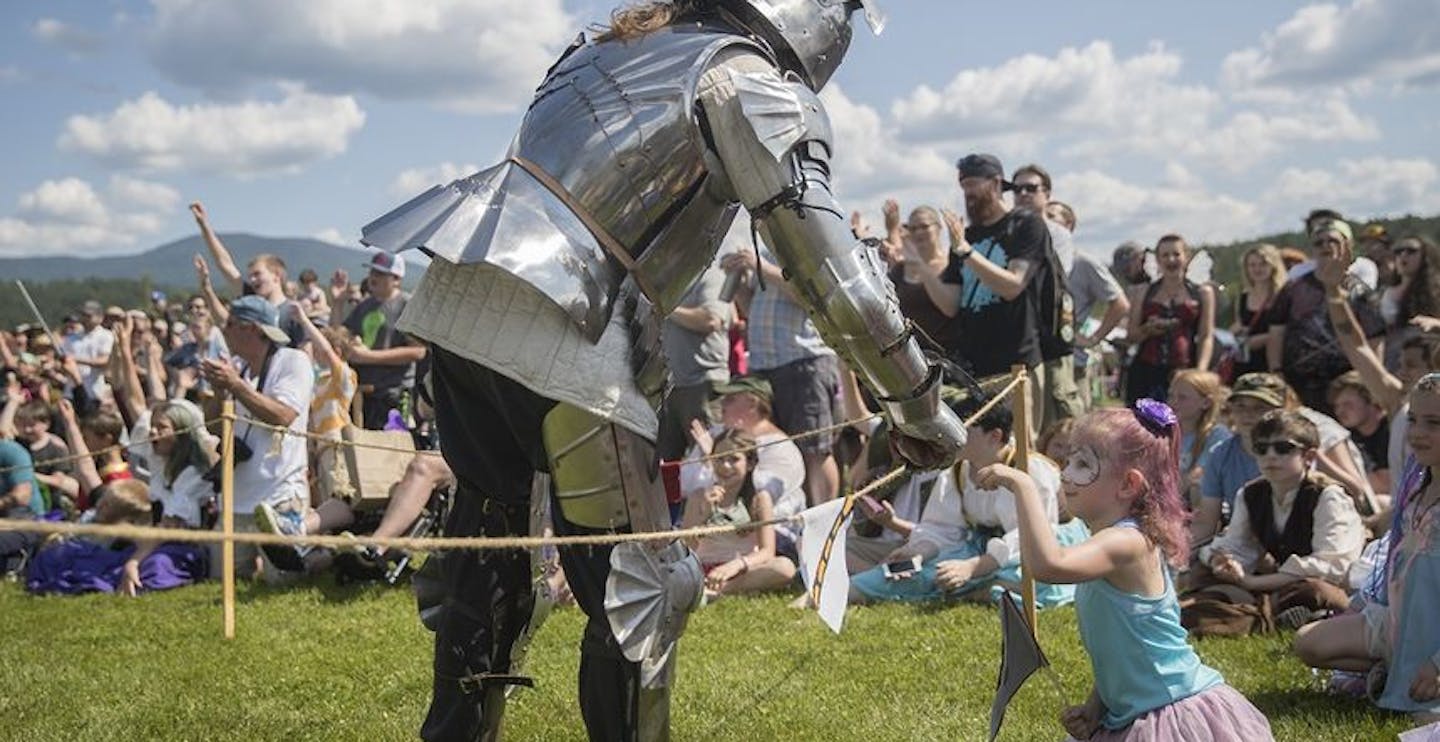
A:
x,y
638,19
1209,385
732,440
188,451
1271,255
1124,442
1422,297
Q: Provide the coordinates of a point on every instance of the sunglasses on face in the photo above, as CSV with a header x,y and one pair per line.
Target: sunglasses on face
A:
x,y
1028,188
1325,243
1281,448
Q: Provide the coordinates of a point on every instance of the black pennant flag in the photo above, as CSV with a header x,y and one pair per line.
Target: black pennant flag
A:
x,y
1020,657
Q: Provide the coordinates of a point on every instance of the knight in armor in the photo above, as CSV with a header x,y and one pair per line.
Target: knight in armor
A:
x,y
551,272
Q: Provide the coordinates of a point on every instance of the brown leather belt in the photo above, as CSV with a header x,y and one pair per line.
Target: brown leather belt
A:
x,y
606,240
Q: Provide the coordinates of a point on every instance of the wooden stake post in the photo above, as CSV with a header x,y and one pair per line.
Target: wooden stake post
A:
x,y
227,514
1021,409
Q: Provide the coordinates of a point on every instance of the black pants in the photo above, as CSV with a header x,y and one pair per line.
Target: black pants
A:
x,y
490,435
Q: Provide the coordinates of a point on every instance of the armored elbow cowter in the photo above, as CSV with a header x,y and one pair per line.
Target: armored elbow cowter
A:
x,y
778,163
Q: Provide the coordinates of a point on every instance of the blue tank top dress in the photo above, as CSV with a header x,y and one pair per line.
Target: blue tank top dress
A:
x,y
1138,650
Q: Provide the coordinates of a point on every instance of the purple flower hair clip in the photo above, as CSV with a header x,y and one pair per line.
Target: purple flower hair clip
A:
x,y
1157,417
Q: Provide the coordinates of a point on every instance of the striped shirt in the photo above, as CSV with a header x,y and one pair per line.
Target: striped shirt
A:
x,y
330,408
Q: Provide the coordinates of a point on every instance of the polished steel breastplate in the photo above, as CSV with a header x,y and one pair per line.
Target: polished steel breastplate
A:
x,y
614,129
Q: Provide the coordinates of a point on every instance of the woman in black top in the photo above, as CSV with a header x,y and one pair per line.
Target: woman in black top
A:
x,y
1263,275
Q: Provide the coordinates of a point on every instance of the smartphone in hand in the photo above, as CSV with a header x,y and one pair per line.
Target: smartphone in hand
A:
x,y
901,569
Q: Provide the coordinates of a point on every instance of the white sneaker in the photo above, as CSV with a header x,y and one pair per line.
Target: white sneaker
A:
x,y
287,523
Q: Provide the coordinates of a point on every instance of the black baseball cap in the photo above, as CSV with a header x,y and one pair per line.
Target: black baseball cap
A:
x,y
983,166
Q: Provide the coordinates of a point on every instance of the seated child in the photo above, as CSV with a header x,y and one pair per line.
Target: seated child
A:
x,y
19,500
52,471
1123,481
1396,636
884,519
96,440
966,538
743,561
81,565
1294,533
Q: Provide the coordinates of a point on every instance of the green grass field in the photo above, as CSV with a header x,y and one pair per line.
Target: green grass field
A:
x,y
352,663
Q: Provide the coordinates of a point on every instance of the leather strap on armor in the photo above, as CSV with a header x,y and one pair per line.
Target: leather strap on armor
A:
x,y
603,236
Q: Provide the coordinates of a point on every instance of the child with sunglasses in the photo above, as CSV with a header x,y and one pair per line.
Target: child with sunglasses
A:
x,y
1294,532
1123,480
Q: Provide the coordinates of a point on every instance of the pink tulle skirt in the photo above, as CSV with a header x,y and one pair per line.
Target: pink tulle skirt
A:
x,y
1220,714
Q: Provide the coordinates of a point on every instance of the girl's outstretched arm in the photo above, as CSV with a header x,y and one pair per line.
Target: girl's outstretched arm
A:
x,y
1043,556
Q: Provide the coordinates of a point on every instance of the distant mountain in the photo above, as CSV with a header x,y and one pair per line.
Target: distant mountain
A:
x,y
170,264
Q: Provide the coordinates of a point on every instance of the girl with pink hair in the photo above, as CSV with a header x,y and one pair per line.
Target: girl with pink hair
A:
x,y
1123,480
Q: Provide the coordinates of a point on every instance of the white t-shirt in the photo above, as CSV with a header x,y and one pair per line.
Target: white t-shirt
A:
x,y
183,497
93,344
276,469
1333,433
949,516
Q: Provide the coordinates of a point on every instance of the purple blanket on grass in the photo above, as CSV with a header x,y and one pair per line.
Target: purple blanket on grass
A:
x,y
78,566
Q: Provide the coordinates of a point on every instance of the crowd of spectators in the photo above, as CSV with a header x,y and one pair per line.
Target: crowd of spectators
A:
x,y
1293,399
119,399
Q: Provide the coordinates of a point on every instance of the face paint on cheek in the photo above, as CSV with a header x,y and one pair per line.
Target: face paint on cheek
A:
x,y
1082,469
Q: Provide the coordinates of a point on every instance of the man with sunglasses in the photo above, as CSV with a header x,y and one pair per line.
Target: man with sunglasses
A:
x,y
1302,340
1032,191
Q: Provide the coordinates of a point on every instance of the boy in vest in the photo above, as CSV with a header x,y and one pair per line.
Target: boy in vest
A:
x,y
1294,532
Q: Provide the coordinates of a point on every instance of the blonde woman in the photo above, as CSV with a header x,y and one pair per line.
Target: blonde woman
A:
x,y
1197,397
1263,274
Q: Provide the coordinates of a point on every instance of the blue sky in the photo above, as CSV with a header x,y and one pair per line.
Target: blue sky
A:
x,y
1219,120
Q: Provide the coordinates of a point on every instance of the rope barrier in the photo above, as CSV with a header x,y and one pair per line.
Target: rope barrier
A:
x,y
99,451
776,442
150,533
471,543
329,438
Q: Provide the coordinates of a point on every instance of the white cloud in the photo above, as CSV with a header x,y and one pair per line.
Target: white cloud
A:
x,y
144,194
334,236
1087,104
67,201
413,182
1368,41
1087,89
67,37
1370,186
1250,135
478,55
245,139
1110,210
70,215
